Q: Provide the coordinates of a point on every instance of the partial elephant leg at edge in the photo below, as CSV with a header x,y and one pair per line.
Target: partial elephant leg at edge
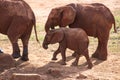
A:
x,y
16,50
101,52
25,49
56,53
25,54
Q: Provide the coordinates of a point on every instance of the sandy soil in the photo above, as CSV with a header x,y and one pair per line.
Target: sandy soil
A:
x,y
40,60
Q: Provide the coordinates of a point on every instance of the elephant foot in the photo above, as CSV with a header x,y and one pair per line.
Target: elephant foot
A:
x,y
95,55
74,54
24,58
63,63
90,66
99,56
74,64
102,57
16,55
54,58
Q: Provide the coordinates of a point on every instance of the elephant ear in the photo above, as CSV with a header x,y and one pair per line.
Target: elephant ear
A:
x,y
57,36
68,15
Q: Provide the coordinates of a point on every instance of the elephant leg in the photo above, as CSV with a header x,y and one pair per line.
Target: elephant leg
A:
x,y
101,52
56,53
25,50
74,54
90,65
13,39
15,30
16,50
75,63
25,53
25,38
63,56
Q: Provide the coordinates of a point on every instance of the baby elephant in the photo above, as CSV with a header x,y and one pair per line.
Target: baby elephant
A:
x,y
75,39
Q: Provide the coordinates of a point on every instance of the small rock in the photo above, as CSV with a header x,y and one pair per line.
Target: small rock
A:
x,y
19,76
6,61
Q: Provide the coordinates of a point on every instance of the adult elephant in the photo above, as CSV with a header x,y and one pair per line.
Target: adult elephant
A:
x,y
96,19
16,21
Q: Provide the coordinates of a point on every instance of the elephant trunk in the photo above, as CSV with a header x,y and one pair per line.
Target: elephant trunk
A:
x,y
47,26
45,44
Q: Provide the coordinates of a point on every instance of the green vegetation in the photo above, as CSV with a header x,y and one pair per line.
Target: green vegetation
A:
x,y
114,40
40,32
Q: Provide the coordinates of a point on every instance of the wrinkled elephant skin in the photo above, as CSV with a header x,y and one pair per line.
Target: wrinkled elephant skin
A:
x,y
96,19
16,21
75,39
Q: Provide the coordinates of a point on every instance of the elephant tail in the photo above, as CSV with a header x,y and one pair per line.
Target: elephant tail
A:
x,y
34,23
36,33
114,26
31,15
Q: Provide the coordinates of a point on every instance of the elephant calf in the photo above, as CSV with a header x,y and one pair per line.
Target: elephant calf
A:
x,y
75,39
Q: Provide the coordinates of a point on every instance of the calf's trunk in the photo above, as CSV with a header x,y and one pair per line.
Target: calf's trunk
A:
x,y
45,45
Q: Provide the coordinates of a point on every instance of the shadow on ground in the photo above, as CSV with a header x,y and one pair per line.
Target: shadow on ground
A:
x,y
52,70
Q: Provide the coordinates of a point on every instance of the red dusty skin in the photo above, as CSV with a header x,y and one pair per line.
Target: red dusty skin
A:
x,y
45,45
47,26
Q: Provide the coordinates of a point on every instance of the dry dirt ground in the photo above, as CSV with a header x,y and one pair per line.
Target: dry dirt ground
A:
x,y
40,60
